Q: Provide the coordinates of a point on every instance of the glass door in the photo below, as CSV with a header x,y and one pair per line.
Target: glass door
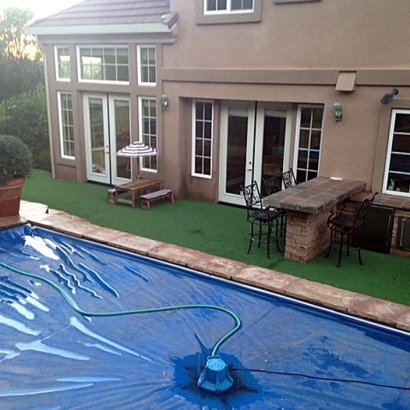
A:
x,y
121,167
254,145
237,130
107,130
272,141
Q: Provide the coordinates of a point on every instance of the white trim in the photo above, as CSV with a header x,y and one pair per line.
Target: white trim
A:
x,y
249,106
228,9
142,28
385,189
112,120
100,46
57,63
297,135
140,131
60,124
193,138
139,47
96,176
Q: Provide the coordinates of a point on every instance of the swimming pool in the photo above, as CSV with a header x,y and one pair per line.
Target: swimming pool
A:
x,y
287,354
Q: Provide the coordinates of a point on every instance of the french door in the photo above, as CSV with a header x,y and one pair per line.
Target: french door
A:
x,y
107,130
255,140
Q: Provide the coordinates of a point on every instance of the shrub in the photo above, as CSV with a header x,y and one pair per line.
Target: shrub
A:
x,y
15,159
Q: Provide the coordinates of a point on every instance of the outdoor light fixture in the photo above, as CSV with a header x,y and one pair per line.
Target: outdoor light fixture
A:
x,y
388,97
165,102
337,111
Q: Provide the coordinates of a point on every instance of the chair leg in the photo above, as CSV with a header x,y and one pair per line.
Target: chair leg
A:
x,y
278,229
348,243
260,236
251,239
268,240
339,261
359,247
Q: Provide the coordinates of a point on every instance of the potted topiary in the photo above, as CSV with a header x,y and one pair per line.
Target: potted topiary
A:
x,y
15,165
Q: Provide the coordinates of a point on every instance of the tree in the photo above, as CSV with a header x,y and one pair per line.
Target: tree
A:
x,y
25,116
21,65
14,43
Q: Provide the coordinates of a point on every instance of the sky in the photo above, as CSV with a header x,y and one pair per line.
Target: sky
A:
x,y
40,8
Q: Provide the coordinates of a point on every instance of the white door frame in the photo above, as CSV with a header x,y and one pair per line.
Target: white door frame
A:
x,y
105,171
254,144
225,196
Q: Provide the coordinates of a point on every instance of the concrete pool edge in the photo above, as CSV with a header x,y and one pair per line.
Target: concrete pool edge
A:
x,y
375,310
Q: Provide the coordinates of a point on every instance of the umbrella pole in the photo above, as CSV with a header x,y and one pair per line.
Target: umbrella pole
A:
x,y
138,168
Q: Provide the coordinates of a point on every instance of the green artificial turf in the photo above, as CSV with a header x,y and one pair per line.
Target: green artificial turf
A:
x,y
222,231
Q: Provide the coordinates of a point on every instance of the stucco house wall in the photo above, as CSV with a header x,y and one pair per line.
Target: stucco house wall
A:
x,y
291,53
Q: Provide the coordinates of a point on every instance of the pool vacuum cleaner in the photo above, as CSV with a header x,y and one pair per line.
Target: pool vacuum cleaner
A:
x,y
215,377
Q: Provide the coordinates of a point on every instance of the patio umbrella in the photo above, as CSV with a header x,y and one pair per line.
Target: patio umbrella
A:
x,y
137,150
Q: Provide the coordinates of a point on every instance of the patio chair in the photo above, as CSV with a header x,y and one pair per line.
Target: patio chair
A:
x,y
288,179
345,224
264,221
273,185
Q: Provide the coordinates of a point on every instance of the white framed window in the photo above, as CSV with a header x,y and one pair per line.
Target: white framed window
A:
x,y
202,138
148,129
397,170
228,6
62,63
103,64
66,125
147,65
308,142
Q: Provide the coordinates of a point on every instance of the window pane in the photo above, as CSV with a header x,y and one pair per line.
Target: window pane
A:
x,y
310,135
304,139
317,118
202,135
402,123
147,68
397,179
66,126
148,129
241,4
104,64
315,139
63,63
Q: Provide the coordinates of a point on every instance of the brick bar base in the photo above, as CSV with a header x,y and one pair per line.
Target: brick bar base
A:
x,y
306,235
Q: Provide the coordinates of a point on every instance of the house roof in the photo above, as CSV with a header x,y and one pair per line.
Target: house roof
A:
x,y
107,16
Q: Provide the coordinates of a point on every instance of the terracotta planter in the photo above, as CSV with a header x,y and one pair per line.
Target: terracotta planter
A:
x,y
10,196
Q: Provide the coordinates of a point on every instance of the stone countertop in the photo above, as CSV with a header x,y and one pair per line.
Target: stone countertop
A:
x,y
389,201
315,195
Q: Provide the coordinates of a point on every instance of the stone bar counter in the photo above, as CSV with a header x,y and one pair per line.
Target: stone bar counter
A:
x,y
308,206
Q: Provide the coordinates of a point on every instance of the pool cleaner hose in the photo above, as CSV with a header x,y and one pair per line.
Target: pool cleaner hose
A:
x,y
215,377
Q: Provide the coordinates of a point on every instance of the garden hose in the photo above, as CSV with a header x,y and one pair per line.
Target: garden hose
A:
x,y
82,312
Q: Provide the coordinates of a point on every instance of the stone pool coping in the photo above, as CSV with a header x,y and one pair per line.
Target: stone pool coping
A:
x,y
376,310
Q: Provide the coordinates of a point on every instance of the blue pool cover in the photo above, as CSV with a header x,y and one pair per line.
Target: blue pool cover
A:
x,y
287,355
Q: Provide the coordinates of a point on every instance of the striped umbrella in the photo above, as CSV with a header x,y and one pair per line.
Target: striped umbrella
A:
x,y
137,150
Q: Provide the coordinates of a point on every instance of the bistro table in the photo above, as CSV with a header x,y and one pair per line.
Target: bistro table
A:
x,y
136,189
308,205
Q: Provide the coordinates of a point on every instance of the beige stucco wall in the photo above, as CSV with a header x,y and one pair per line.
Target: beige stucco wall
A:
x,y
293,55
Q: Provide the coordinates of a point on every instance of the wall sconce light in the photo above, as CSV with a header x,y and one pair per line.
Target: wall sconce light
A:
x,y
165,102
337,111
388,97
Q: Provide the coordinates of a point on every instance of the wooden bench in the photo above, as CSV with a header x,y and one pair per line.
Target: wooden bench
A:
x,y
146,199
133,190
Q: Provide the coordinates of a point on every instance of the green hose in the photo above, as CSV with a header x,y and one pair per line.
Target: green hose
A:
x,y
75,307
